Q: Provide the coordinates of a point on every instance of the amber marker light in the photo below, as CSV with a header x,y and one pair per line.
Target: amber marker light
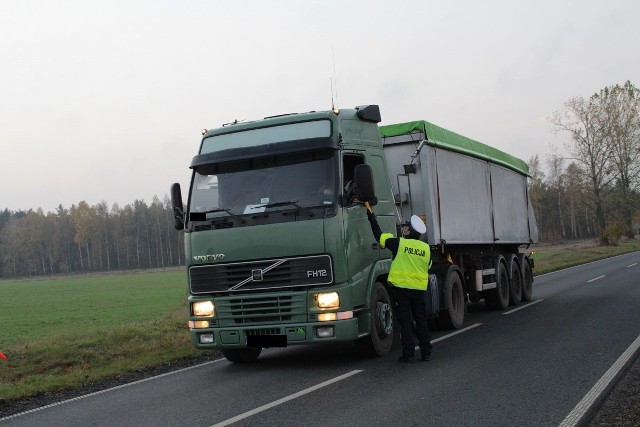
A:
x,y
327,317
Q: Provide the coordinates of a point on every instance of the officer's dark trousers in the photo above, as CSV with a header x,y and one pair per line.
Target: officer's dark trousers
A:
x,y
411,305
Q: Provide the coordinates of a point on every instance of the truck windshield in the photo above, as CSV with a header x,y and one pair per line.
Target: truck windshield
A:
x,y
301,182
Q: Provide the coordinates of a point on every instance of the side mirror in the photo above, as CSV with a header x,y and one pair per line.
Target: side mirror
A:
x,y
178,207
363,178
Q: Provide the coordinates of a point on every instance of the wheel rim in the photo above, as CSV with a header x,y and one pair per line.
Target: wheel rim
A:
x,y
385,318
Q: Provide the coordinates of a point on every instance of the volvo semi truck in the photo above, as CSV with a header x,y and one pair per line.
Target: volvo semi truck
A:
x,y
279,251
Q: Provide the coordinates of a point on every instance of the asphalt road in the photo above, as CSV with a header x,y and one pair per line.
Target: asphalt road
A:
x,y
537,364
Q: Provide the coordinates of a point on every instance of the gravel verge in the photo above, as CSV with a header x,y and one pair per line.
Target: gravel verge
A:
x,y
622,406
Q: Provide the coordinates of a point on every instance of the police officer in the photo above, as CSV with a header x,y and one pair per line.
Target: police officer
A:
x,y
409,274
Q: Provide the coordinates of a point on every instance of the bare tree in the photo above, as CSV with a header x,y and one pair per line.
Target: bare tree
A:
x,y
620,120
576,195
582,119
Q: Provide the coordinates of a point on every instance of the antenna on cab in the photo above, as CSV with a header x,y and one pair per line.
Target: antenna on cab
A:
x,y
334,83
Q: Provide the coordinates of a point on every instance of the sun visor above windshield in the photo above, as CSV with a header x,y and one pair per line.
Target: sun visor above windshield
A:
x,y
266,150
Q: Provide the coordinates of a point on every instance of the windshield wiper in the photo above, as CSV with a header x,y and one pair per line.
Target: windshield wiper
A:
x,y
202,216
287,203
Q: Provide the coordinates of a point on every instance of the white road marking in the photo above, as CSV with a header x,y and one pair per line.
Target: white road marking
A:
x,y
594,279
285,399
524,306
442,338
109,389
575,416
631,265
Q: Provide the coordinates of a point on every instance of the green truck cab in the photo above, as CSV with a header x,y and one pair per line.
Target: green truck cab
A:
x,y
277,251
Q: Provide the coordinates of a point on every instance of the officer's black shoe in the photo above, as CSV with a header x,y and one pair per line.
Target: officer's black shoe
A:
x,y
426,357
407,359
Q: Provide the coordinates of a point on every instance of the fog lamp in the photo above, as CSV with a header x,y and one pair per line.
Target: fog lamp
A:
x,y
206,338
328,300
203,309
325,331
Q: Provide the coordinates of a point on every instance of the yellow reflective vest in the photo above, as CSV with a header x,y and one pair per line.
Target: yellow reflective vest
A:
x,y
410,267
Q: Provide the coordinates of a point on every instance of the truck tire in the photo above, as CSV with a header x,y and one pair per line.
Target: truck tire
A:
x,y
452,316
515,275
242,355
498,298
380,338
527,280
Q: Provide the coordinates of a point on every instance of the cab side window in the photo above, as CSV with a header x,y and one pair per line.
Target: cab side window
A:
x,y
350,191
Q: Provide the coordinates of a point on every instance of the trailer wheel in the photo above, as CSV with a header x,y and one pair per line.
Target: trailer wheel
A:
x,y
527,281
515,294
242,355
452,316
380,338
498,298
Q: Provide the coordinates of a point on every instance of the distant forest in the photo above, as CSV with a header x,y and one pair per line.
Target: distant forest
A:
x,y
97,238
86,238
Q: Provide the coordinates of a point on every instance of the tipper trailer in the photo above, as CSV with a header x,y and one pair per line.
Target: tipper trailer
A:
x,y
278,252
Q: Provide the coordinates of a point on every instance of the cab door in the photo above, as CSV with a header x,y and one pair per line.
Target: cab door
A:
x,y
360,246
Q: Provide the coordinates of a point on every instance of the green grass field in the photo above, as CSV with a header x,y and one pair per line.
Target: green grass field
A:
x,y
555,257
65,332
32,310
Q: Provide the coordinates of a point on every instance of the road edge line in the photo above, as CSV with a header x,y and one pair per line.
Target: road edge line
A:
x,y
584,406
95,393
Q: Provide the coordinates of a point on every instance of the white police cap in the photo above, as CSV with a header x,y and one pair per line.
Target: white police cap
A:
x,y
418,225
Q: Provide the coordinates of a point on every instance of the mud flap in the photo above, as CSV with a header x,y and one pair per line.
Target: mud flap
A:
x,y
433,296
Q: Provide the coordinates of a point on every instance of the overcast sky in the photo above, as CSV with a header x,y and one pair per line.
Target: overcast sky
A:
x,y
104,101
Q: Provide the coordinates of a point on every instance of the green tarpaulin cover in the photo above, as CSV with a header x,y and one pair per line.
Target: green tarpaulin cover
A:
x,y
440,137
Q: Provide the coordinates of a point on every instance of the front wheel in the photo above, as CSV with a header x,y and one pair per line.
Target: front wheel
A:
x,y
242,355
380,338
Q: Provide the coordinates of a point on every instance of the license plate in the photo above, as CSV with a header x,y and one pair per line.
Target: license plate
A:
x,y
266,340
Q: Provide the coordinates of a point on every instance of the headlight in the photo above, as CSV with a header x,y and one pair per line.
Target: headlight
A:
x,y
203,308
328,300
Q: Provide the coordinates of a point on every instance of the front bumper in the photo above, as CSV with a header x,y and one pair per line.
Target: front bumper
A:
x,y
276,335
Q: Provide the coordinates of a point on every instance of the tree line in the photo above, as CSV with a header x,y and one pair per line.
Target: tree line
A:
x,y
86,238
593,192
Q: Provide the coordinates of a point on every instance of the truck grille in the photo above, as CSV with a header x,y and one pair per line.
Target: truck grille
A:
x,y
248,309
264,274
